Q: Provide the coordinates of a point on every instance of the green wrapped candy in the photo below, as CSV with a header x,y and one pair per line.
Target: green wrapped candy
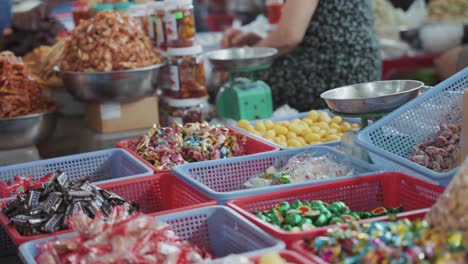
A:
x,y
285,178
283,207
287,227
395,210
316,204
336,220
306,221
293,219
355,215
295,204
335,208
312,214
365,215
326,213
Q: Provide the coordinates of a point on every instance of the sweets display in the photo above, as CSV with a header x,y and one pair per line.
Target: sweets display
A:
x,y
108,42
315,128
165,147
269,258
300,168
388,242
303,215
448,10
449,212
441,152
43,59
48,208
186,72
21,93
123,238
180,23
19,185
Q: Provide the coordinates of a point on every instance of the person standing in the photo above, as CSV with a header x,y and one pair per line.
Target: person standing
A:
x,y
5,18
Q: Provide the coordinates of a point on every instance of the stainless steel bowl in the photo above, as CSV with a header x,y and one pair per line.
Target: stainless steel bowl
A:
x,y
372,97
241,58
25,131
114,86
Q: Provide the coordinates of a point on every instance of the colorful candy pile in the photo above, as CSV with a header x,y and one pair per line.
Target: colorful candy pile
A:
x,y
48,208
166,147
19,185
269,258
300,168
303,216
123,238
388,242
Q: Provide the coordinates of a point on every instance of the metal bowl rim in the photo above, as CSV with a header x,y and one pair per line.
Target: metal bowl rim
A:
x,y
30,115
151,67
323,95
272,52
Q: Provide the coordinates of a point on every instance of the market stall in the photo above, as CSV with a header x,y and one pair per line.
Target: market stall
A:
x,y
111,150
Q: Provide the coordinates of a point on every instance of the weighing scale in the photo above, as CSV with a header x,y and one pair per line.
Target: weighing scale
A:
x,y
241,97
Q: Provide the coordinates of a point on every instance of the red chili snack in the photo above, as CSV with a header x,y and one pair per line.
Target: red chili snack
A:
x,y
21,92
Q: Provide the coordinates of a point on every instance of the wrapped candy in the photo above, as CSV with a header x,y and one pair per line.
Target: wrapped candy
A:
x,y
20,185
166,147
300,168
123,238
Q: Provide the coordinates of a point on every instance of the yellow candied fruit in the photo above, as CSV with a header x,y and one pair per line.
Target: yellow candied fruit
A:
x,y
323,125
323,133
295,128
277,140
335,126
280,130
313,115
270,133
282,137
291,135
345,127
336,120
293,143
256,133
269,124
302,140
271,258
355,125
260,126
324,117
243,124
311,137
308,121
332,138
314,128
332,131
250,128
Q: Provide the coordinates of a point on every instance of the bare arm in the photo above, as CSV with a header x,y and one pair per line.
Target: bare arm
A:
x,y
292,26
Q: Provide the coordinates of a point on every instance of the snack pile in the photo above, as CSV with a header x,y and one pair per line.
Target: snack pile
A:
x,y
304,215
313,129
123,238
165,147
47,209
19,185
388,242
21,93
448,10
300,168
108,42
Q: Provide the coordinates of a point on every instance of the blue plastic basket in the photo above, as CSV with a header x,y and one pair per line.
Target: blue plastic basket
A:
x,y
390,140
289,118
99,166
223,180
218,228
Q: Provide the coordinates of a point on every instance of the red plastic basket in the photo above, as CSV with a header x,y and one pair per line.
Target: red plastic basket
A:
x,y
253,146
299,246
408,63
287,255
156,194
364,193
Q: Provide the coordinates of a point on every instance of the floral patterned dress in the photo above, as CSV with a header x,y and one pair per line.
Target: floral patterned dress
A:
x,y
339,48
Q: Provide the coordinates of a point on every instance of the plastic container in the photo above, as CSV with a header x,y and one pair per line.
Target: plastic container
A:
x,y
180,23
253,146
159,24
360,194
156,194
183,111
123,7
80,10
287,255
299,245
187,73
289,118
103,7
142,14
216,227
274,9
389,141
223,180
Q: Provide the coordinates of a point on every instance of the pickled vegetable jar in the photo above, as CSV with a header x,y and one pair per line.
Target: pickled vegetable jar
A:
x,y
159,24
180,23
187,74
183,110
142,15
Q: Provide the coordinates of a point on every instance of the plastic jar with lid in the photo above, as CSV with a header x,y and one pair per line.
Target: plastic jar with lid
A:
x,y
103,7
159,24
183,110
80,10
180,23
186,73
142,15
123,7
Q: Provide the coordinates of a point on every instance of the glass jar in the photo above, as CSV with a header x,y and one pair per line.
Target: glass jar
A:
x,y
186,73
183,110
80,10
142,15
159,24
180,23
123,7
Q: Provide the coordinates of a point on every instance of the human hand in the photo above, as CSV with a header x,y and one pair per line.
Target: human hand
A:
x,y
235,38
7,31
446,64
